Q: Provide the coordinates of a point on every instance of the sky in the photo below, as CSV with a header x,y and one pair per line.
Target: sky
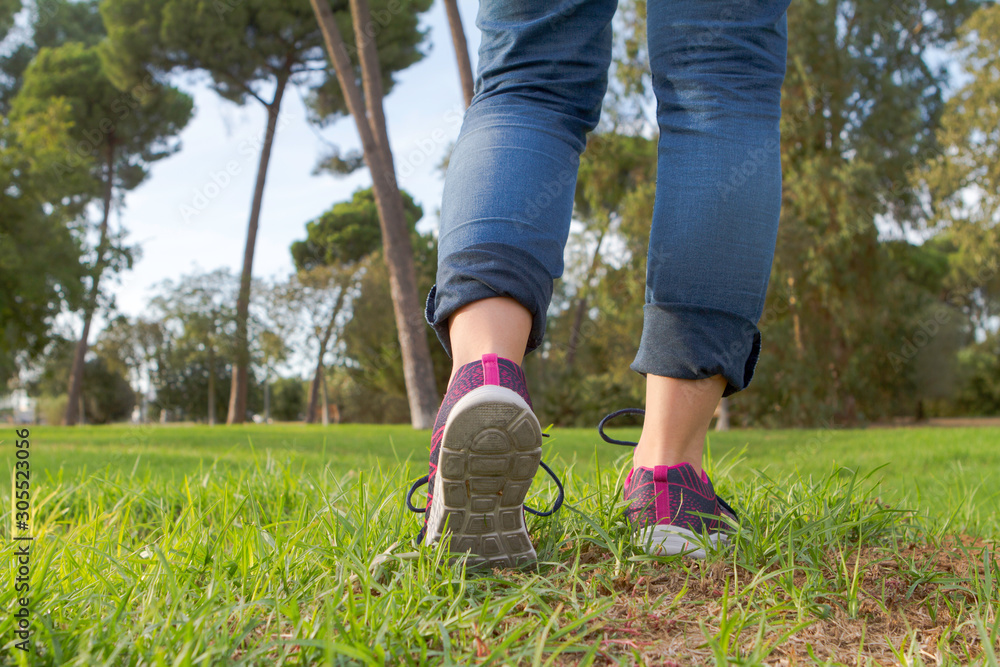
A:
x,y
191,213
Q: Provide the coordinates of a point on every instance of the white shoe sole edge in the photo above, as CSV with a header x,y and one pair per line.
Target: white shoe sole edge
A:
x,y
666,540
490,452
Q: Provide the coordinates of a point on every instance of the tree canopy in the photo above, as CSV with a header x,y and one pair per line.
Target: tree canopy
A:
x,y
52,24
40,256
131,128
347,232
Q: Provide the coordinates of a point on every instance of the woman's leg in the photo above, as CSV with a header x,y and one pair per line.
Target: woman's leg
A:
x,y
505,215
717,72
508,195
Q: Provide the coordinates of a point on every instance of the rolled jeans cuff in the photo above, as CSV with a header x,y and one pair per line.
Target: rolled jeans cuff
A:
x,y
484,271
692,342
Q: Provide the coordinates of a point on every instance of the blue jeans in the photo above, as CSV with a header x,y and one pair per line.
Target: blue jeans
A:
x,y
717,68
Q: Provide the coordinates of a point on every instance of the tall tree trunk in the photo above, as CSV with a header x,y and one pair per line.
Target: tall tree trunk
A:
x,y
323,343
326,403
800,349
75,389
461,50
418,371
723,422
211,385
267,398
74,413
314,389
241,360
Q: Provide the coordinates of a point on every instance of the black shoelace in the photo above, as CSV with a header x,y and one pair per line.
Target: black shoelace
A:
x,y
555,506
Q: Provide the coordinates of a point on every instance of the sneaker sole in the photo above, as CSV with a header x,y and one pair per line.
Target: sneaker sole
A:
x,y
664,540
490,452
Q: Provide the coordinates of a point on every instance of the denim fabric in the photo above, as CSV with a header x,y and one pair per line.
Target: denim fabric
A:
x,y
717,71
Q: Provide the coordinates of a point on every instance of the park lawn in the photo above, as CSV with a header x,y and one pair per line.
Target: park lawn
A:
x,y
951,475
183,545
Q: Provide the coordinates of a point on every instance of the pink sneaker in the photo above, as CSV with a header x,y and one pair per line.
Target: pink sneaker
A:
x,y
673,509
485,450
665,508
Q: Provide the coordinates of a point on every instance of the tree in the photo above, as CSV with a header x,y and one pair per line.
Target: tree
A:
x,y
461,50
185,383
369,383
119,134
118,347
40,256
330,260
613,168
40,249
53,23
369,117
109,396
131,346
979,368
860,106
314,299
347,232
288,399
8,8
273,351
198,311
251,50
963,177
40,267
246,48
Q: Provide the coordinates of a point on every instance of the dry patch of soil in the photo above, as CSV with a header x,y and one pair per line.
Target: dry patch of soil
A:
x,y
901,598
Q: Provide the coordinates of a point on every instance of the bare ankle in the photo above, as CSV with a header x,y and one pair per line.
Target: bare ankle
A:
x,y
678,413
650,453
498,325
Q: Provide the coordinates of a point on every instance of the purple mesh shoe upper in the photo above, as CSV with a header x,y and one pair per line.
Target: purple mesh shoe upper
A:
x,y
491,369
668,495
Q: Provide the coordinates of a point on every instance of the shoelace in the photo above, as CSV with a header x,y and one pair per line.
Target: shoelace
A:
x,y
629,443
555,506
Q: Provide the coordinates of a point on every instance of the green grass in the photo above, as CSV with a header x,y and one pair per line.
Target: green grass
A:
x,y
260,545
952,475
